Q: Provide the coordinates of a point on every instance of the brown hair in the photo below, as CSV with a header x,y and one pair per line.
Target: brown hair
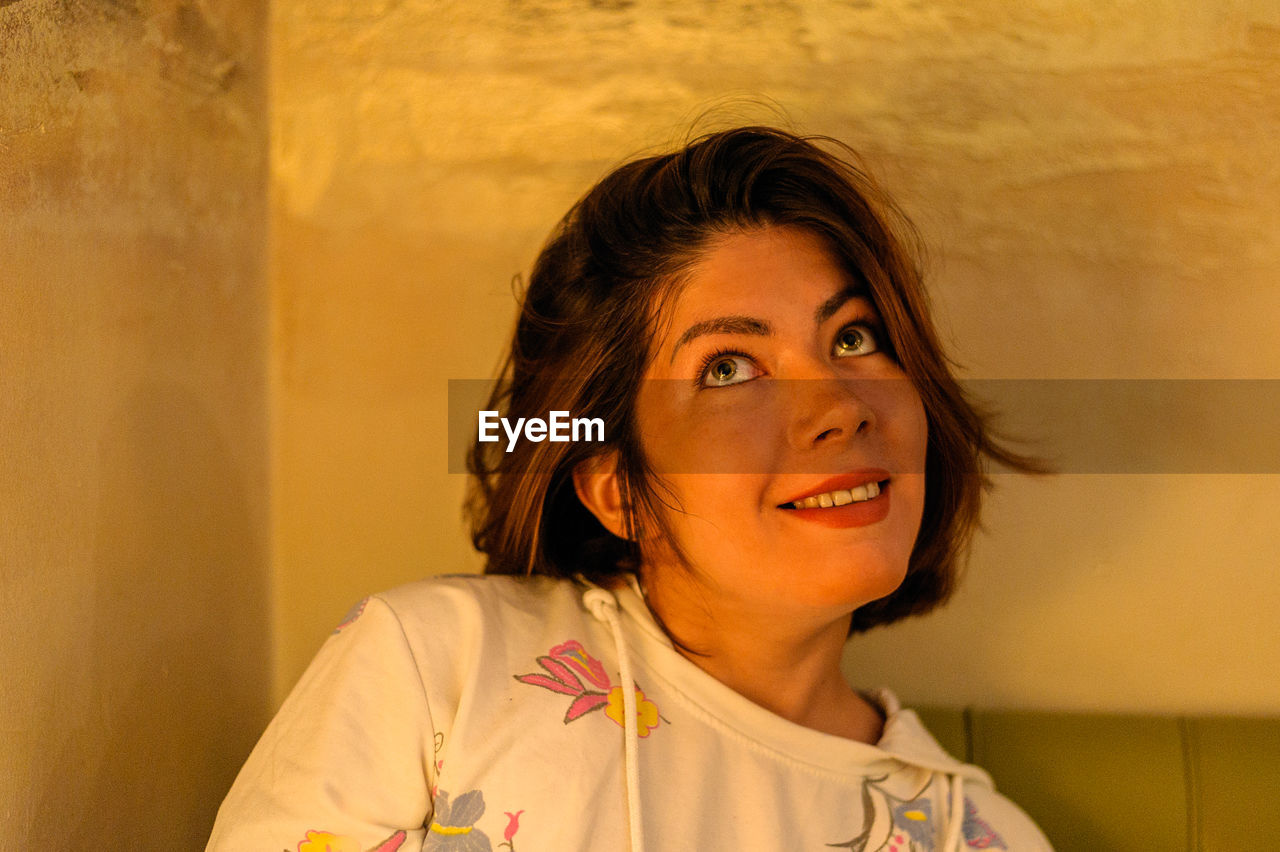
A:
x,y
590,311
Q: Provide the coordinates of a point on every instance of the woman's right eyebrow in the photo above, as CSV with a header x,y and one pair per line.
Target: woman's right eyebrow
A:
x,y
723,325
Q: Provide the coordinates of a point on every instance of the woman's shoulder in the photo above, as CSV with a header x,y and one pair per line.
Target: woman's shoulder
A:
x,y
451,612
453,595
456,630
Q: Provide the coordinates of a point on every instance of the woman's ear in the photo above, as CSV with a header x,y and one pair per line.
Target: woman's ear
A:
x,y
596,482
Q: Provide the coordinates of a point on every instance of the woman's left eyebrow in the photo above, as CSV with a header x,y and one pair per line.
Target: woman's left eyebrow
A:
x,y
752,325
828,308
722,325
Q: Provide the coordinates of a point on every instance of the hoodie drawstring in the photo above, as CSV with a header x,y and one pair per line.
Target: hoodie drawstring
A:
x,y
604,606
955,818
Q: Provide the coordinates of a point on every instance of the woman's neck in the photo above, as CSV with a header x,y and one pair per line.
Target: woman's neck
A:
x,y
787,664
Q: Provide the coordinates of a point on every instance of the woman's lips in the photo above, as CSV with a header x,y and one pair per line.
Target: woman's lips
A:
x,y
843,482
854,513
839,497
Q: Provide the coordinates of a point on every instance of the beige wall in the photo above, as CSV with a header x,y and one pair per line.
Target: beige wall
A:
x,y
134,645
1097,181
1099,185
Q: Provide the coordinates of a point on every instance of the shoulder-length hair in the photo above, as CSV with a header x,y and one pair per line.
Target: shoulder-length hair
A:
x,y
589,314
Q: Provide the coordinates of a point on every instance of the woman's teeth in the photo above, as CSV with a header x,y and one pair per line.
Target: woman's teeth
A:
x,y
838,498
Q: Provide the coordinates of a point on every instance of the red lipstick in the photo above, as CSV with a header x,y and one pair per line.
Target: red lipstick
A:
x,y
859,513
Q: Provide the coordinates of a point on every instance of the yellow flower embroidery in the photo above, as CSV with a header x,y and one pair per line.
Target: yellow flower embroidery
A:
x,y
646,711
324,841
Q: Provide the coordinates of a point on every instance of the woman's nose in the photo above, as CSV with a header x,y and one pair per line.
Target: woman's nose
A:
x,y
828,411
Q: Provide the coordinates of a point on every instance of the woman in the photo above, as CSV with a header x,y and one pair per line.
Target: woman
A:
x,y
786,461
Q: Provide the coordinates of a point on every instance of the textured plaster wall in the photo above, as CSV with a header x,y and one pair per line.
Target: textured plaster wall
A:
x,y
134,646
1097,181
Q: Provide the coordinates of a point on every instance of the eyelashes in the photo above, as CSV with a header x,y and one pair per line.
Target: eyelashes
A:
x,y
720,369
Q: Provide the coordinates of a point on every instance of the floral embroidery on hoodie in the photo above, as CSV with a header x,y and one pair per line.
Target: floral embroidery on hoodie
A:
x,y
352,615
977,834
324,841
893,824
453,825
513,825
567,665
646,711
912,819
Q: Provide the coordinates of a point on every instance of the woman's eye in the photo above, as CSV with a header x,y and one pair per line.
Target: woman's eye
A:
x,y
728,370
856,340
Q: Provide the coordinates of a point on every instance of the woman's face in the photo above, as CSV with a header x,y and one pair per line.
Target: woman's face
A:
x,y
774,410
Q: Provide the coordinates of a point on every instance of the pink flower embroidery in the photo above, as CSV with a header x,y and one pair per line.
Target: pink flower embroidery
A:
x,y
565,667
561,678
574,655
513,825
391,844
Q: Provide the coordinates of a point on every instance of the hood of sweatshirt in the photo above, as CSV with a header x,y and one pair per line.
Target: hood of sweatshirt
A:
x,y
904,746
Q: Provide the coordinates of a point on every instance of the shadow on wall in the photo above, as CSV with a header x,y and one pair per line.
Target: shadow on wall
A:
x,y
179,635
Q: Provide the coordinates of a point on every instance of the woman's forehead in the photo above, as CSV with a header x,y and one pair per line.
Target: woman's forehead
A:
x,y
768,270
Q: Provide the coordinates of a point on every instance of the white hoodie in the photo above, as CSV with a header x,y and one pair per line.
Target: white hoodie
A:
x,y
467,714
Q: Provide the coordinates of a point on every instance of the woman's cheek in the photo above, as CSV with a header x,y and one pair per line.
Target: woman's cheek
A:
x,y
734,432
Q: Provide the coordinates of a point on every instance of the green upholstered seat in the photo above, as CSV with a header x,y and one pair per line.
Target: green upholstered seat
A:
x,y
1127,782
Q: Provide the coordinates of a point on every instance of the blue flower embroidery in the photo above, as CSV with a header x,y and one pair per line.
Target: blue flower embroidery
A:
x,y
977,833
912,818
453,827
900,825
